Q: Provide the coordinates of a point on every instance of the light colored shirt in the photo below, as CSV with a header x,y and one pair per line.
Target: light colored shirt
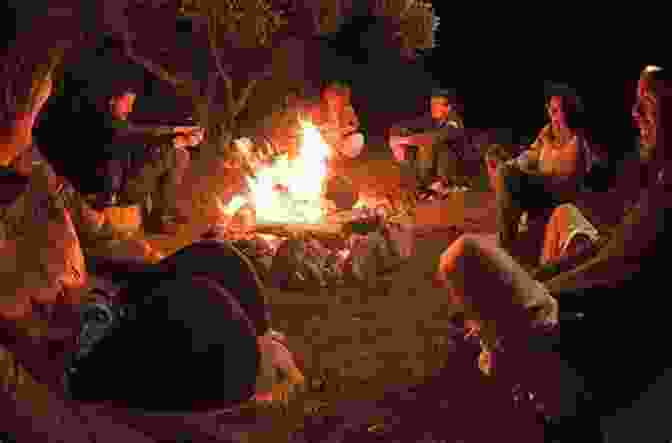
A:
x,y
40,253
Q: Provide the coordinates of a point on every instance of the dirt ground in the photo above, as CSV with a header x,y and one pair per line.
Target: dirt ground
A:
x,y
356,343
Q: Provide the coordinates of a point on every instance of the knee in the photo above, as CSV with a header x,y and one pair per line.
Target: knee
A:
x,y
560,215
451,256
471,244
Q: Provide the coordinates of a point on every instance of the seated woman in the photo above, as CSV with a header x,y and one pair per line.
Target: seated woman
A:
x,y
508,307
549,173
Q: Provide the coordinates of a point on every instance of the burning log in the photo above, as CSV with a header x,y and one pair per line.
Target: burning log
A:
x,y
330,233
302,256
308,211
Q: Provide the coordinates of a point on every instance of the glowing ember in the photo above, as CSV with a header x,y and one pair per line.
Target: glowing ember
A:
x,y
290,191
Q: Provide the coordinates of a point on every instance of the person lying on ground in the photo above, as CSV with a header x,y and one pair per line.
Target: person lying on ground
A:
x,y
41,264
44,271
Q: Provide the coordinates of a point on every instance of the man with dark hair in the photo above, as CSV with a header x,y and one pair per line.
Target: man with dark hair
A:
x,y
435,145
156,168
191,344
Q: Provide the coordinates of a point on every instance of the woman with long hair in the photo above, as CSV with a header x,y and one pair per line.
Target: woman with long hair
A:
x,y
548,174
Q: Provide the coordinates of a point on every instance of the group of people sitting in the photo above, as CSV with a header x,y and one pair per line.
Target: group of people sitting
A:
x,y
599,257
193,331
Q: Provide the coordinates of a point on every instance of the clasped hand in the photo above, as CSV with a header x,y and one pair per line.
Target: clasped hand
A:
x,y
188,136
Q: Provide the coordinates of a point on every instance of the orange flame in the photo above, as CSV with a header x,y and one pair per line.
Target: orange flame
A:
x,y
301,180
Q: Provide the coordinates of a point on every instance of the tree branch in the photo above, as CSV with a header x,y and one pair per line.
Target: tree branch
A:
x,y
245,95
228,81
154,68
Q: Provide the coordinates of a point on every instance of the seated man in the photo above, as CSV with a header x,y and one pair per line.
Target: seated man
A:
x,y
43,270
135,175
155,168
435,145
509,307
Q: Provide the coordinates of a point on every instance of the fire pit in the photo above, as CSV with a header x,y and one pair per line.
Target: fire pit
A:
x,y
350,246
290,230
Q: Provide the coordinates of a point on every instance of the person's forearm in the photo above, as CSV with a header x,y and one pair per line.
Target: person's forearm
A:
x,y
133,135
150,129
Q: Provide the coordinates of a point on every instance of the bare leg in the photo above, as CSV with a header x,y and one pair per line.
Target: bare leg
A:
x,y
568,235
491,285
556,233
503,296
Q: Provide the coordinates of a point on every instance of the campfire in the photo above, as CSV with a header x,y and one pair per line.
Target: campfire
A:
x,y
286,226
290,190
